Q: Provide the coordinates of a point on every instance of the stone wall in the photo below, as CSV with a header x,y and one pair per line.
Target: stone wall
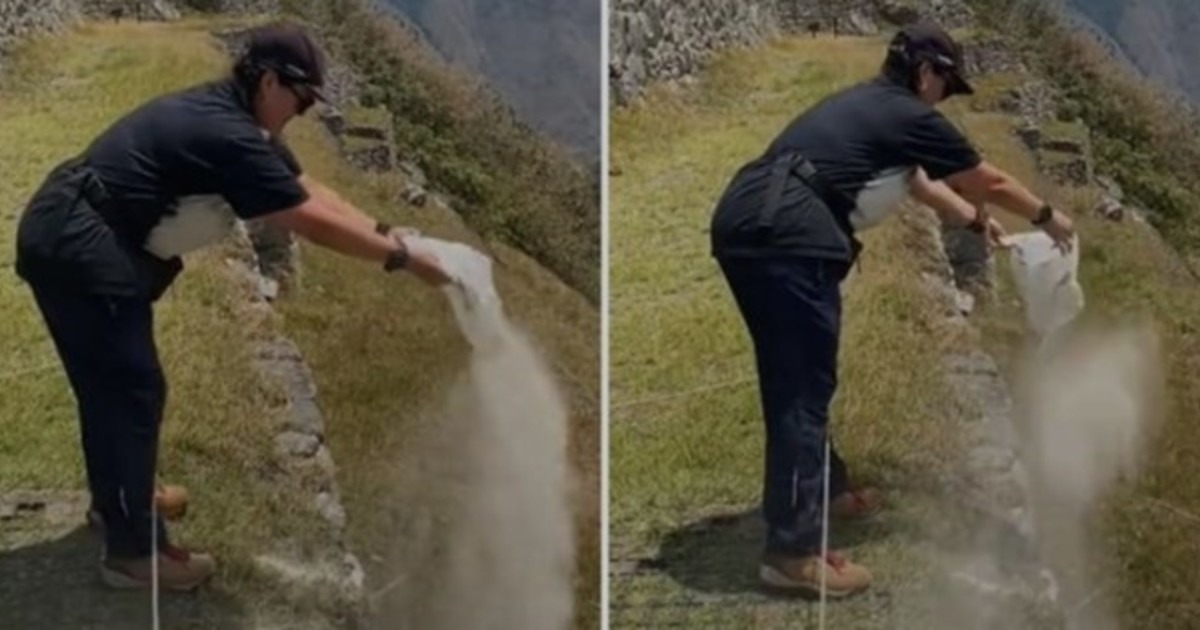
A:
x,y
21,18
243,7
130,9
661,40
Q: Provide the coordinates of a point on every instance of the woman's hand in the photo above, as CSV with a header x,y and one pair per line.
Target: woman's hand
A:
x,y
426,266
1060,229
997,236
422,264
401,232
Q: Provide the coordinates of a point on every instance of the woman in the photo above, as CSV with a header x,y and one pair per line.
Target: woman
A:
x,y
784,236
102,239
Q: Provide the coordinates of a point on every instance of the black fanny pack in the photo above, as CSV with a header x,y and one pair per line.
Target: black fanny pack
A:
x,y
65,239
836,203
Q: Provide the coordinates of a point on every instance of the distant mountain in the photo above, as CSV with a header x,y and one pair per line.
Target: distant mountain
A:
x,y
1160,37
543,56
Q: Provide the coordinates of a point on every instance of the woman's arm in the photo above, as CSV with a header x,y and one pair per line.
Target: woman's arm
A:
x,y
949,205
354,235
992,185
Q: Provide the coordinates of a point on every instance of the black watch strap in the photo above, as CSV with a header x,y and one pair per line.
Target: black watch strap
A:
x,y
1045,213
396,260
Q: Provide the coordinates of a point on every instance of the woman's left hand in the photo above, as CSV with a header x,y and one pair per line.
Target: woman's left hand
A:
x,y
996,235
400,232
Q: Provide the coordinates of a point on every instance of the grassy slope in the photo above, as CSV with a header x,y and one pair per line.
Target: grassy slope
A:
x,y
467,139
678,461
383,349
377,344
57,94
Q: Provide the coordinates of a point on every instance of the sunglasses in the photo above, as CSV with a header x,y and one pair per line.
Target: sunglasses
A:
x,y
305,94
947,75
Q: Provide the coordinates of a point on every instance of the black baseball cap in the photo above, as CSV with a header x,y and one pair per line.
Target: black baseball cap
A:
x,y
926,41
291,52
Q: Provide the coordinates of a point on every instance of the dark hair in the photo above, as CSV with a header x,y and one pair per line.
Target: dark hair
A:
x,y
900,69
247,75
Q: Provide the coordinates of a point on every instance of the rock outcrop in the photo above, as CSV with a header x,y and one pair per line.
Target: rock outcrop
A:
x,y
662,40
330,577
22,18
659,39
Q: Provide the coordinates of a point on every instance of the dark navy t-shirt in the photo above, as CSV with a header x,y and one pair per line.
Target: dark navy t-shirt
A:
x,y
186,153
852,138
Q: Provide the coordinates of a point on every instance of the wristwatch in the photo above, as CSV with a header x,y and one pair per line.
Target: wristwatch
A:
x,y
1045,213
398,259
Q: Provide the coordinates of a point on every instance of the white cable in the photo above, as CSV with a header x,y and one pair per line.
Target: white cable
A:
x,y
824,534
153,562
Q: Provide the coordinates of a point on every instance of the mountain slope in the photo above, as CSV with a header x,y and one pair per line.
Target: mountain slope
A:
x,y
543,55
506,179
381,347
686,433
1159,36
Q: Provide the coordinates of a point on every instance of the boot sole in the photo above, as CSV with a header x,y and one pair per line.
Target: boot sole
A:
x,y
120,581
776,579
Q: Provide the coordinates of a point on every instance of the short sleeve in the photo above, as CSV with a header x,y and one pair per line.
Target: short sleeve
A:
x,y
937,146
289,158
259,177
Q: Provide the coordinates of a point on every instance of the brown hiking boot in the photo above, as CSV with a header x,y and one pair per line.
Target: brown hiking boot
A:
x,y
170,501
178,570
803,575
854,505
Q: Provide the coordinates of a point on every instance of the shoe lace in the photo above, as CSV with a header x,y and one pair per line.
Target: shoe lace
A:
x,y
835,560
178,554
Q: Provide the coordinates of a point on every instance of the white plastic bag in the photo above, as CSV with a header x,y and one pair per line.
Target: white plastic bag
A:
x,y
1046,280
472,294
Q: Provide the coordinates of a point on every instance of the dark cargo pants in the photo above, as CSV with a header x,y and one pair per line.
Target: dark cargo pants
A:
x,y
96,298
792,308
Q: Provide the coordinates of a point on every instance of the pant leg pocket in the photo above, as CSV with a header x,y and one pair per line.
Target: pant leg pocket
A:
x,y
91,252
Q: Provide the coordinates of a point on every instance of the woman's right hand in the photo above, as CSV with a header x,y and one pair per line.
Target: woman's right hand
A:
x,y
1061,230
426,266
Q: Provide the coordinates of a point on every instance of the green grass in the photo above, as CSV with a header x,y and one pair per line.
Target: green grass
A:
x,y
1128,273
356,144
467,140
1074,131
383,350
381,347
991,89
377,117
58,93
686,430
686,434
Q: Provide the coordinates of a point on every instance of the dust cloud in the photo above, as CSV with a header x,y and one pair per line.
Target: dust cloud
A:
x,y
489,543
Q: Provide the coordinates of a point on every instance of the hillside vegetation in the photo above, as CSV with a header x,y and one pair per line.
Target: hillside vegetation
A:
x,y
509,181
1142,136
686,428
382,349
542,55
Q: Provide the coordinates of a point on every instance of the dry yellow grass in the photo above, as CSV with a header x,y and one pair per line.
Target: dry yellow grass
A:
x,y
685,424
685,427
380,346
